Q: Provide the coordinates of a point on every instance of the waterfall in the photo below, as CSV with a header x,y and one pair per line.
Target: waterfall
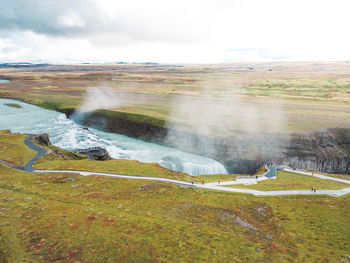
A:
x,y
67,134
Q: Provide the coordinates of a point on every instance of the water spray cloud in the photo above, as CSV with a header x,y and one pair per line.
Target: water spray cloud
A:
x,y
224,124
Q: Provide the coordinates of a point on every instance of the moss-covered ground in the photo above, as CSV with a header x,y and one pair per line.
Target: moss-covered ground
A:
x,y
14,105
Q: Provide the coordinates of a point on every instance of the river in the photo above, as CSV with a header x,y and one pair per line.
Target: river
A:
x,y
67,134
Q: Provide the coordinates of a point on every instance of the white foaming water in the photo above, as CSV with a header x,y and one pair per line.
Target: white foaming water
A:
x,y
68,135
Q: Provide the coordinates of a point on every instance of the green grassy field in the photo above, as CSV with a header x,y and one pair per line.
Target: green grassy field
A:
x,y
340,176
217,177
70,218
73,218
292,181
13,150
118,166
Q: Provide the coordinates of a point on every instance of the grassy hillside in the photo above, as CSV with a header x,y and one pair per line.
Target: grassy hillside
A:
x,y
13,150
69,218
73,218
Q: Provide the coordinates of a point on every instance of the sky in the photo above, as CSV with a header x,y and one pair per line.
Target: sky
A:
x,y
181,31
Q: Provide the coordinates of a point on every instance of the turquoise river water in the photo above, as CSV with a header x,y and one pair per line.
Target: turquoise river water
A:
x,y
67,134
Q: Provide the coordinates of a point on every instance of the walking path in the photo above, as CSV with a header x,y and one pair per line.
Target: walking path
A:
x,y
40,153
317,175
271,173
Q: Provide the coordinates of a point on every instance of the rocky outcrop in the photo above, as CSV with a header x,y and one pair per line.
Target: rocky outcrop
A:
x,y
67,111
42,139
95,153
325,151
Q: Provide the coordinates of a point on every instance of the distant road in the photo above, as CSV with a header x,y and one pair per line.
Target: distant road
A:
x,y
211,186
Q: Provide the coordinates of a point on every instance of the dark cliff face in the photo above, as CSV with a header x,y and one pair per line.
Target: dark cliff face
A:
x,y
136,129
326,151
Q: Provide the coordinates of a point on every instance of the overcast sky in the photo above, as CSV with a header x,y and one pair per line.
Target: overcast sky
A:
x,y
177,31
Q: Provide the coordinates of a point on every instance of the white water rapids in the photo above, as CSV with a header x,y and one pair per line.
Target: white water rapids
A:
x,y
66,134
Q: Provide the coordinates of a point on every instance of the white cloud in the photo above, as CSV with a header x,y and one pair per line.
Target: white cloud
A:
x,y
201,31
71,20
